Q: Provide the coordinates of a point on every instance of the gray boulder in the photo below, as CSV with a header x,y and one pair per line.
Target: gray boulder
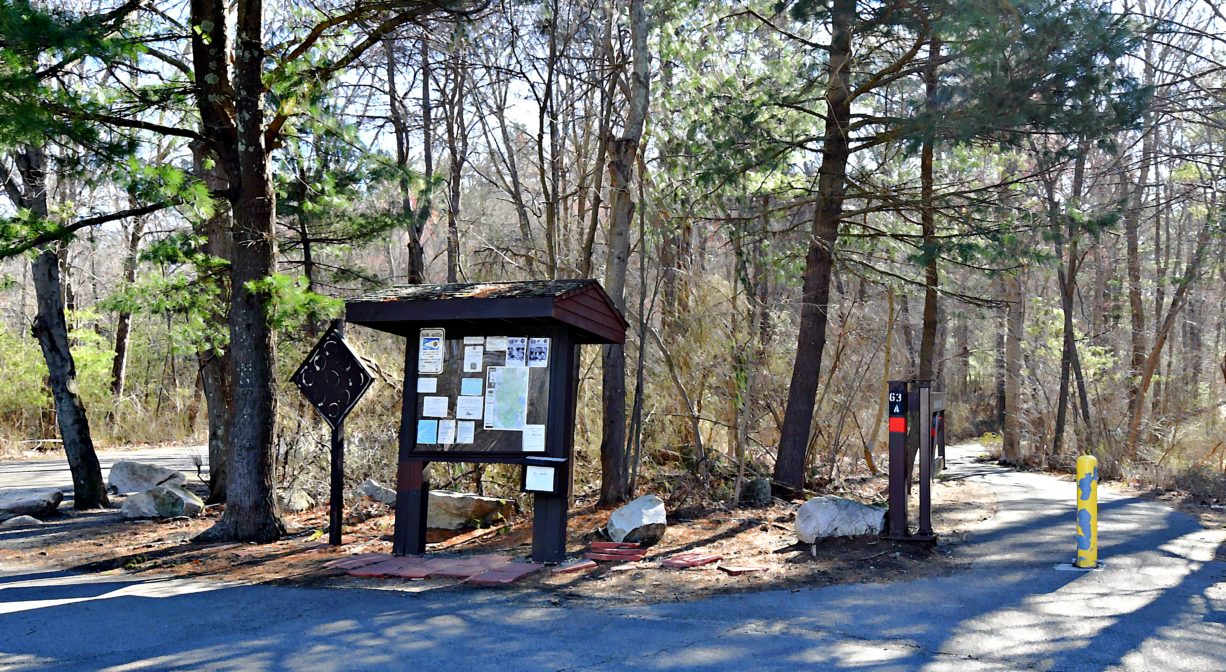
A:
x,y
29,502
127,476
457,510
164,501
295,499
828,516
378,492
642,521
20,521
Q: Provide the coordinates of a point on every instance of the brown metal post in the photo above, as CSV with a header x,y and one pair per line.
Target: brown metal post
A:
x,y
336,504
897,399
925,459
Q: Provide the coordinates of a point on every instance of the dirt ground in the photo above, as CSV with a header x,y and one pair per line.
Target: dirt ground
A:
x,y
103,542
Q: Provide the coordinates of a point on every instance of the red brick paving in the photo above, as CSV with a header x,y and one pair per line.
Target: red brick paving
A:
x,y
614,557
359,560
690,559
573,566
606,545
505,574
737,570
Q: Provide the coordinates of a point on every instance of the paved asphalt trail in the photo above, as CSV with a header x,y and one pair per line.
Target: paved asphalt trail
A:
x,y
52,472
1160,604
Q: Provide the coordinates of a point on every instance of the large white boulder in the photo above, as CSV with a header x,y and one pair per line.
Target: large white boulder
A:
x,y
295,499
378,492
457,510
29,502
127,476
828,516
164,501
20,521
642,521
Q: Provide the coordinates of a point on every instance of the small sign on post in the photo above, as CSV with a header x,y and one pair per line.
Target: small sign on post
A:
x,y
333,379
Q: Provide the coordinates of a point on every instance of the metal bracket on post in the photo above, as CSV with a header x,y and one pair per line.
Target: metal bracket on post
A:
x,y
911,411
925,463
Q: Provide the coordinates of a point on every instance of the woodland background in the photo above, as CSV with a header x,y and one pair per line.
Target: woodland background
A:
x,y
1028,208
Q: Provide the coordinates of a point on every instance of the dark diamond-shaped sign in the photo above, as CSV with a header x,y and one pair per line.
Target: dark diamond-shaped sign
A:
x,y
332,378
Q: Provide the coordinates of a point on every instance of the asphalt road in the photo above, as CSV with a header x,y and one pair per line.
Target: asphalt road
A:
x,y
1159,604
52,471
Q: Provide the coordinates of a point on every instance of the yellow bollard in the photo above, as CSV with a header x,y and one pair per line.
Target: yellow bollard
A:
x,y
1087,512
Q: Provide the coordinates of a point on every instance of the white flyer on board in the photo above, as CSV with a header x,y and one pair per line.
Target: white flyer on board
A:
x,y
446,432
427,385
534,439
474,340
465,430
434,407
517,351
496,343
473,356
469,408
538,352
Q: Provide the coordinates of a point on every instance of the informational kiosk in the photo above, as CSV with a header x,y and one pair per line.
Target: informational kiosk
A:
x,y
490,376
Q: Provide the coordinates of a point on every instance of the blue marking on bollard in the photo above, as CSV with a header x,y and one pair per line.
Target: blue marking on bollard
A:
x,y
1083,485
1083,530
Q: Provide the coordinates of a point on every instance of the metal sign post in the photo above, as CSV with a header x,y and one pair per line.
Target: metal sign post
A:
x,y
916,417
333,379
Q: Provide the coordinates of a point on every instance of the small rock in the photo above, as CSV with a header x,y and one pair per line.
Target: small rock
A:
x,y
295,499
757,493
642,521
164,501
828,516
29,502
20,521
378,492
127,476
457,510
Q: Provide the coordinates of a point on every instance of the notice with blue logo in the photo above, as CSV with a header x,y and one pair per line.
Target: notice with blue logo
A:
x,y
430,351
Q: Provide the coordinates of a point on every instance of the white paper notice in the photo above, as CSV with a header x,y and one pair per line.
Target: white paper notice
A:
x,y
464,431
473,356
517,351
474,340
427,385
534,438
430,351
446,432
538,479
434,407
496,343
469,408
538,352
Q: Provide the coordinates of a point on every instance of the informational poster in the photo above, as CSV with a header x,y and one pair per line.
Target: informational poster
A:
x,y
506,397
434,407
534,438
469,408
472,387
473,356
517,351
427,431
430,351
538,352
446,432
490,396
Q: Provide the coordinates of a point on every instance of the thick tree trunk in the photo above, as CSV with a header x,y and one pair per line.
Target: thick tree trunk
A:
x,y
789,474
51,330
1014,323
623,155
251,509
928,332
